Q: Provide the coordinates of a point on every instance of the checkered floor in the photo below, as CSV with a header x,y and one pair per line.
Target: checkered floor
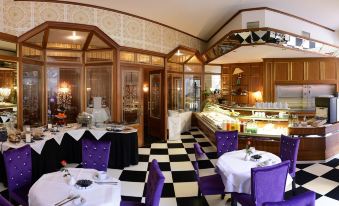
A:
x,y
175,159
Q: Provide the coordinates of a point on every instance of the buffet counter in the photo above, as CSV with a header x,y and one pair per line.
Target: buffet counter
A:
x,y
317,143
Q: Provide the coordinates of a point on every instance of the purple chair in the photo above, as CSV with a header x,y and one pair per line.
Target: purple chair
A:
x,y
227,141
95,154
304,199
4,202
289,147
154,186
18,163
208,185
267,185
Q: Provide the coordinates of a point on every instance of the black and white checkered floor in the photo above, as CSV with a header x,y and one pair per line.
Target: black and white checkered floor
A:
x,y
175,159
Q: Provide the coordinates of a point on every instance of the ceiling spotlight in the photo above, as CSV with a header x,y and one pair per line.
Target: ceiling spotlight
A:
x,y
74,36
178,53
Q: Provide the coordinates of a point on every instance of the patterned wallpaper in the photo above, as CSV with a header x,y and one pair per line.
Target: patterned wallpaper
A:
x,y
18,17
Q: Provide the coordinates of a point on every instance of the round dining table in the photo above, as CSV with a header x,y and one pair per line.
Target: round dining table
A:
x,y
235,171
53,187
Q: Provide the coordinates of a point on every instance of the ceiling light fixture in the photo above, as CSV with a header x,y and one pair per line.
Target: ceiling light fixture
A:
x,y
178,53
74,36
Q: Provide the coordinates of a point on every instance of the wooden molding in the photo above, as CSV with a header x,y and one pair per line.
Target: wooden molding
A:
x,y
8,37
142,51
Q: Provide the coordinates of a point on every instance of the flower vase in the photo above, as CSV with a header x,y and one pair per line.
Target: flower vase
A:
x,y
247,157
70,180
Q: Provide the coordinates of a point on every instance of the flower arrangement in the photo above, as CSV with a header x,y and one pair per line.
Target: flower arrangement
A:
x,y
64,169
249,151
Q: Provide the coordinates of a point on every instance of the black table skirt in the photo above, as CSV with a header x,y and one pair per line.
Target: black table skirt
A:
x,y
123,153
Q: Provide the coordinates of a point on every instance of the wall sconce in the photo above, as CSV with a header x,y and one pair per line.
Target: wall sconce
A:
x,y
145,88
238,71
257,96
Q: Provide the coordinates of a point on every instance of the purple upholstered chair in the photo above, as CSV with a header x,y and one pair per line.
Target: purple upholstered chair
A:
x,y
227,141
95,154
289,147
18,163
267,185
304,199
4,202
208,185
154,186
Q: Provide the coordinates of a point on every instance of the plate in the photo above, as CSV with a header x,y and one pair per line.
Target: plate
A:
x,y
256,157
83,184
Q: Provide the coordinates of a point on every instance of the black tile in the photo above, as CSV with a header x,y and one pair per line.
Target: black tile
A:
x,y
159,151
133,176
205,164
303,177
303,166
194,129
183,176
164,166
299,190
175,145
185,133
334,194
132,199
332,163
332,175
212,155
190,150
188,140
143,158
205,144
179,158
198,136
168,190
192,201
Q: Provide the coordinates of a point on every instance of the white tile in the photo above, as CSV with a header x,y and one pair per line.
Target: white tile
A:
x,y
186,136
159,146
144,151
159,158
175,151
214,161
141,166
188,145
181,166
2,187
192,157
174,141
321,185
167,175
206,172
202,140
322,201
134,189
186,189
168,202
215,200
318,169
209,149
114,173
196,132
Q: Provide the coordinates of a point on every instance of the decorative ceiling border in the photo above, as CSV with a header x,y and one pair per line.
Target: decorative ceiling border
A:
x,y
165,25
268,36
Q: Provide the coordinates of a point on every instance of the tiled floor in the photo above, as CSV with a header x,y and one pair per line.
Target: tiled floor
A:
x,y
175,159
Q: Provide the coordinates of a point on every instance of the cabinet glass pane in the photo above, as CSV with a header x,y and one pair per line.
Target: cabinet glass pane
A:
x,y
8,92
63,87
131,96
175,91
212,82
192,92
155,95
32,94
99,87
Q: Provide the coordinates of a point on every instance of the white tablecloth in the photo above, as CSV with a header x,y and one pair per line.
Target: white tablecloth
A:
x,y
178,123
52,188
236,172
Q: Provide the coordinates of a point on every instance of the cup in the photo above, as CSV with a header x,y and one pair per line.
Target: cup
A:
x,y
102,175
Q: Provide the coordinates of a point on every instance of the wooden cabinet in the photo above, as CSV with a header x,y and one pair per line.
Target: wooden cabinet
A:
x,y
313,70
281,71
297,71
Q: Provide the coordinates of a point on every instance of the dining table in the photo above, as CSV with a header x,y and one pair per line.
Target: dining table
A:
x,y
53,187
235,169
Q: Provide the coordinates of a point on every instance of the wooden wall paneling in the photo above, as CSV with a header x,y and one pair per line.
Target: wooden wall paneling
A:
x,y
297,71
281,71
268,82
313,70
328,70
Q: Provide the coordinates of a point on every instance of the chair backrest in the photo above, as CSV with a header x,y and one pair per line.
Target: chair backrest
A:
x,y
95,154
155,184
289,147
227,141
268,183
18,163
199,154
4,202
304,199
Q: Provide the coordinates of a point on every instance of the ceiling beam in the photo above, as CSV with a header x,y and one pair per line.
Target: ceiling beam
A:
x,y
88,41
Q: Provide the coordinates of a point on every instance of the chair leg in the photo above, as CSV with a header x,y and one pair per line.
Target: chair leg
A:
x,y
222,196
293,187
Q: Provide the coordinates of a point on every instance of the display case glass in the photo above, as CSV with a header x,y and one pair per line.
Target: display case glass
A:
x,y
131,95
192,92
175,91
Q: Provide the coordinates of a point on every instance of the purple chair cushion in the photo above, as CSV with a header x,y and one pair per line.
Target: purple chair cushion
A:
x,y
211,185
227,141
304,199
289,147
267,185
18,163
95,154
4,202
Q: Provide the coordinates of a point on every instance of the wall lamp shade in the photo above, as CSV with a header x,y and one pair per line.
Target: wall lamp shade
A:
x,y
237,71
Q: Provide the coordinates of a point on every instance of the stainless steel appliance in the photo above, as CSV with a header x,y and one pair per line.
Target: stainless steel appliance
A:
x,y
327,108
